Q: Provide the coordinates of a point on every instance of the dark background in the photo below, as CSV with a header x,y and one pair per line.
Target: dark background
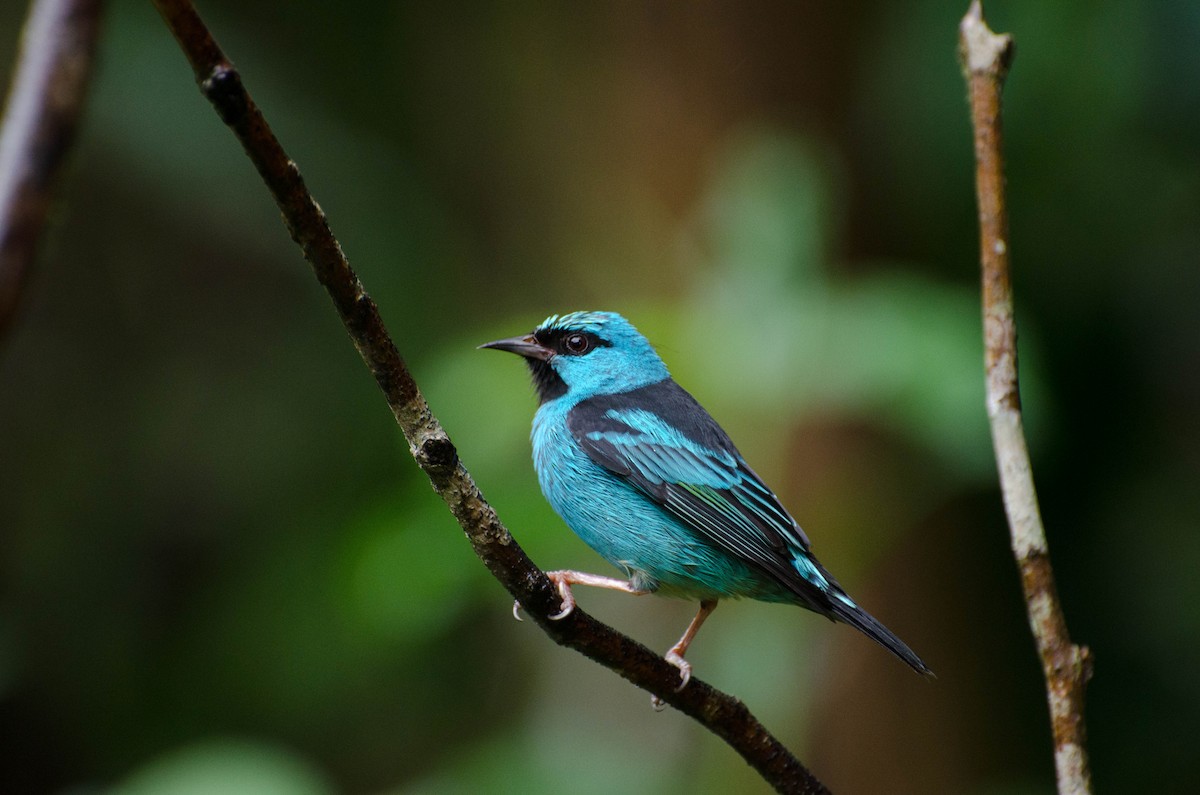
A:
x,y
220,570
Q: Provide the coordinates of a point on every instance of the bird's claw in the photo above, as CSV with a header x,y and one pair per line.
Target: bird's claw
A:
x,y
564,592
685,676
685,668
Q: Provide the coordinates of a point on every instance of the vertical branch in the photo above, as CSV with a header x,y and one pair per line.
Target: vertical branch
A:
x,y
723,715
45,103
985,58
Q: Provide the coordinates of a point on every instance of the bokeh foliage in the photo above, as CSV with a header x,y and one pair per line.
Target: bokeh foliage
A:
x,y
220,572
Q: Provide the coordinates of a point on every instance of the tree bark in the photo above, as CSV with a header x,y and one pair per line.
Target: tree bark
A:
x,y
45,103
985,58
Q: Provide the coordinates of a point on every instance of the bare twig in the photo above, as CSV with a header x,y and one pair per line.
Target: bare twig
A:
x,y
725,716
45,102
985,59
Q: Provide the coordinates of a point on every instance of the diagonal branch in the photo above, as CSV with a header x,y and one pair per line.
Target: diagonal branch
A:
x,y
58,47
985,59
721,714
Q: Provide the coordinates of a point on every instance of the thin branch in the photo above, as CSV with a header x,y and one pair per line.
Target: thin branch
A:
x,y
985,59
45,102
721,714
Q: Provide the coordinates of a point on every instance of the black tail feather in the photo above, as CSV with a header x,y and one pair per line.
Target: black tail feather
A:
x,y
865,623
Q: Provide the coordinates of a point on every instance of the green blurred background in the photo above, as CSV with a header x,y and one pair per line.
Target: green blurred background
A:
x,y
220,571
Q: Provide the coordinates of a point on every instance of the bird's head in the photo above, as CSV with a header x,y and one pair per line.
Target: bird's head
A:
x,y
584,354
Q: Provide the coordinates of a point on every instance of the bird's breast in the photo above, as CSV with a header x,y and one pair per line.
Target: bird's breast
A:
x,y
563,468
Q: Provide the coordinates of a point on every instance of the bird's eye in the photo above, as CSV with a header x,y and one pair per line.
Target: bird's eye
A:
x,y
577,343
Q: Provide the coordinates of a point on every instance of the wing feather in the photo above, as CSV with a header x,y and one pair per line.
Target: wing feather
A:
x,y
665,445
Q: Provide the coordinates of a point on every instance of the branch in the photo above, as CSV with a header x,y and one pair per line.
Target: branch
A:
x,y
45,103
721,714
985,59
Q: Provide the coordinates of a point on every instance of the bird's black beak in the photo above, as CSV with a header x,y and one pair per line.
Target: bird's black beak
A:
x,y
526,346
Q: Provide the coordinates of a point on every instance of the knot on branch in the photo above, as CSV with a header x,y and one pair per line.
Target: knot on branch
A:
x,y
1083,656
224,90
437,454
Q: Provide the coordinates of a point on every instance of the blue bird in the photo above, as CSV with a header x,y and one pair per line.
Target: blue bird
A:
x,y
642,473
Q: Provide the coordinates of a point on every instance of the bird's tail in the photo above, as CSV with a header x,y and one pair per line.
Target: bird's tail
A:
x,y
850,613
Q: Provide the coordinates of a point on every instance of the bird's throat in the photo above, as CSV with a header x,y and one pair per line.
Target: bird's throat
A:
x,y
549,384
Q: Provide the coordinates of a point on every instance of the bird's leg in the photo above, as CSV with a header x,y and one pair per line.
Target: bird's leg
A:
x,y
675,654
565,578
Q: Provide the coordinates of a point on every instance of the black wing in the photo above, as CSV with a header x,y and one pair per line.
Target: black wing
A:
x,y
668,447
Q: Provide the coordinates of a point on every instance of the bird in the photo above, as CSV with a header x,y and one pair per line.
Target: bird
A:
x,y
644,475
